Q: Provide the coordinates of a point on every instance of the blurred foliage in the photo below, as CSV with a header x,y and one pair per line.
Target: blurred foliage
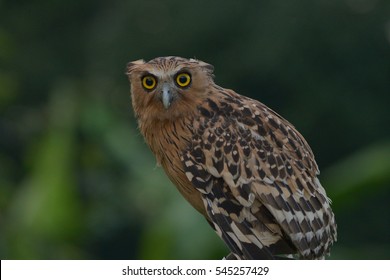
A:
x,y
77,180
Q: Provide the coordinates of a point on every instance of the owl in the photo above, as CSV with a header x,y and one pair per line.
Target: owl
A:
x,y
245,168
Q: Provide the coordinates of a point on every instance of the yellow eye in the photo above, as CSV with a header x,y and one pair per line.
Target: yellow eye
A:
x,y
183,79
149,82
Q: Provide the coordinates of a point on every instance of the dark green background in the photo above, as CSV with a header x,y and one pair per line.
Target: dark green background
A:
x,y
77,180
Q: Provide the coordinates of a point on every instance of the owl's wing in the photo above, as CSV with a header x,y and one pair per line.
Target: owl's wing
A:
x,y
237,233
258,180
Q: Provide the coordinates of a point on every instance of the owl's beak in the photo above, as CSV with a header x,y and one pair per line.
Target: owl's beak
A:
x,y
166,96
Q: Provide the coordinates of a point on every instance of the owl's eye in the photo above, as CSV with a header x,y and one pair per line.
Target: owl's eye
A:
x,y
149,82
183,79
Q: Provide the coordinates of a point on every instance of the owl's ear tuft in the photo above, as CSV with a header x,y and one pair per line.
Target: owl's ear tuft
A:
x,y
208,68
133,65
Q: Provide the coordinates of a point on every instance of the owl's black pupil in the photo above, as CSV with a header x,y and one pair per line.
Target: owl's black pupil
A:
x,y
149,82
183,79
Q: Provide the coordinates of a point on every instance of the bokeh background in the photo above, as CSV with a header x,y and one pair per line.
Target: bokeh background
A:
x,y
78,182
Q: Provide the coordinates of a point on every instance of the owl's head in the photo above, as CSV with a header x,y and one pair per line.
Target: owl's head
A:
x,y
168,87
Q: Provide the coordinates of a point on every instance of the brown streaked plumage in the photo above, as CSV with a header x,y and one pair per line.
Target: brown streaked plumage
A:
x,y
245,168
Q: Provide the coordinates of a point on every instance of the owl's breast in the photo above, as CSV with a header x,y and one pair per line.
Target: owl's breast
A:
x,y
168,140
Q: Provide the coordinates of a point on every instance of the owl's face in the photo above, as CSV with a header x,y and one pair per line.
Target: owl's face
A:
x,y
167,86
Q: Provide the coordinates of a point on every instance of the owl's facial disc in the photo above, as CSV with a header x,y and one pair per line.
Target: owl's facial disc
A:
x,y
167,95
